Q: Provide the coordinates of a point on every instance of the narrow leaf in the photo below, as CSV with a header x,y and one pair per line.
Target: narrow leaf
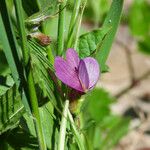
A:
x,y
112,20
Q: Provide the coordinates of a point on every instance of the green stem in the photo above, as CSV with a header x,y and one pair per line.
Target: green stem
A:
x,y
73,22
30,81
50,54
20,18
63,127
35,111
61,22
38,4
79,25
75,131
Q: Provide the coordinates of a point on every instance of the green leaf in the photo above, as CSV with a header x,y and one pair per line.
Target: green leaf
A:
x,y
99,8
30,7
46,114
144,45
44,3
139,18
19,139
40,66
88,42
99,101
8,51
3,89
4,69
11,50
116,128
112,20
46,10
11,108
6,81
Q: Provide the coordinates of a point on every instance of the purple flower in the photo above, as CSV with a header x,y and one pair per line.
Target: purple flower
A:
x,y
79,74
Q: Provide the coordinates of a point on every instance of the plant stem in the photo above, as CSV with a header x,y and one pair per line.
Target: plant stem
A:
x,y
30,81
79,25
76,133
22,31
61,29
63,127
73,21
50,54
38,4
35,111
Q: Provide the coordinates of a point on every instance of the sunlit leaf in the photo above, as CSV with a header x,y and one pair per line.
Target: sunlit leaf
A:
x,y
99,101
115,128
88,42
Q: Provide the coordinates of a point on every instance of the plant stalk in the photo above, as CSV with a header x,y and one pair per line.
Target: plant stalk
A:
x,y
73,22
63,126
61,30
30,81
79,25
20,18
76,132
35,111
50,54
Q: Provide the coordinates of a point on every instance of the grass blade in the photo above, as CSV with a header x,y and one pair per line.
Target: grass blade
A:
x,y
112,20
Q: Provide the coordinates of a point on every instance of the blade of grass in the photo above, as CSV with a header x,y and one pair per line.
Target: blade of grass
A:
x,y
61,21
112,20
11,52
78,25
7,50
30,80
73,22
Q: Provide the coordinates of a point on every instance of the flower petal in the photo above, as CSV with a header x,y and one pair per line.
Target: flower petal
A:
x,y
83,75
72,58
67,74
93,71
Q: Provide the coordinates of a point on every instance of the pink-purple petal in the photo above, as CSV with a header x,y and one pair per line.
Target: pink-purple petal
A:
x,y
72,58
83,75
67,74
93,71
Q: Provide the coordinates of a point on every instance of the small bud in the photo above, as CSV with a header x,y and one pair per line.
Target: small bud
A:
x,y
41,38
